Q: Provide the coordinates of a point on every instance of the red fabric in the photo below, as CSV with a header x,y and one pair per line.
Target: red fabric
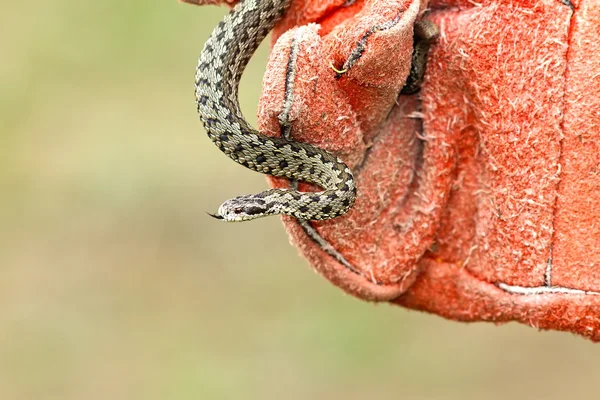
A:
x,y
490,190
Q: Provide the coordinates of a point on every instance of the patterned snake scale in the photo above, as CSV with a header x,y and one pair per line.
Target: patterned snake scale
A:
x,y
224,58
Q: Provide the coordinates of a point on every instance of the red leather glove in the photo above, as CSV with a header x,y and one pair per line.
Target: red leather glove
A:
x,y
478,199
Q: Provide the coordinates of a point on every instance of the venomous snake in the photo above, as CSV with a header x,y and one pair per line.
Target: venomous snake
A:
x,y
220,67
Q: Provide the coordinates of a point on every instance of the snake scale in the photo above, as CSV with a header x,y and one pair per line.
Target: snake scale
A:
x,y
220,67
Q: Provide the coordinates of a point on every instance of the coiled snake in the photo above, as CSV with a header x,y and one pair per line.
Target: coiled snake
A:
x,y
223,59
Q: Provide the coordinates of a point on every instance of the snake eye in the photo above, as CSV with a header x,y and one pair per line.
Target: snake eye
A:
x,y
237,211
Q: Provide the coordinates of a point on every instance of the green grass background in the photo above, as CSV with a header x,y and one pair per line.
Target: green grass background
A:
x,y
114,284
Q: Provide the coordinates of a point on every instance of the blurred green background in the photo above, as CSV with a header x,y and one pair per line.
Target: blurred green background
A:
x,y
114,284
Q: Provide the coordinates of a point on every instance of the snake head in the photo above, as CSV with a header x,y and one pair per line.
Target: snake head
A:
x,y
244,208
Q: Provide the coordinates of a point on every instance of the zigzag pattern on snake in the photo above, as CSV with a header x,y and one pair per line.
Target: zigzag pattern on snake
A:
x,y
220,67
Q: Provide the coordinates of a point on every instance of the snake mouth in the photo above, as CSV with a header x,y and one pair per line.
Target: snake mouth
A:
x,y
216,216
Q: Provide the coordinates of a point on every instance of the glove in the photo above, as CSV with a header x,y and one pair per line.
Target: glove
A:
x,y
478,197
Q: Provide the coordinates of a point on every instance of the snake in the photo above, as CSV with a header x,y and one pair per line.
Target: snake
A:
x,y
225,55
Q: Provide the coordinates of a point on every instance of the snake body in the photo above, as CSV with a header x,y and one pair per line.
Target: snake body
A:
x,y
220,67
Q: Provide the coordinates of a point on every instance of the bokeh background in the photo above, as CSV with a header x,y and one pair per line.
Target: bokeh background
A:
x,y
114,284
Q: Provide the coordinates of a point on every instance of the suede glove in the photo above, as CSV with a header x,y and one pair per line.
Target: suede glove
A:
x,y
478,197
